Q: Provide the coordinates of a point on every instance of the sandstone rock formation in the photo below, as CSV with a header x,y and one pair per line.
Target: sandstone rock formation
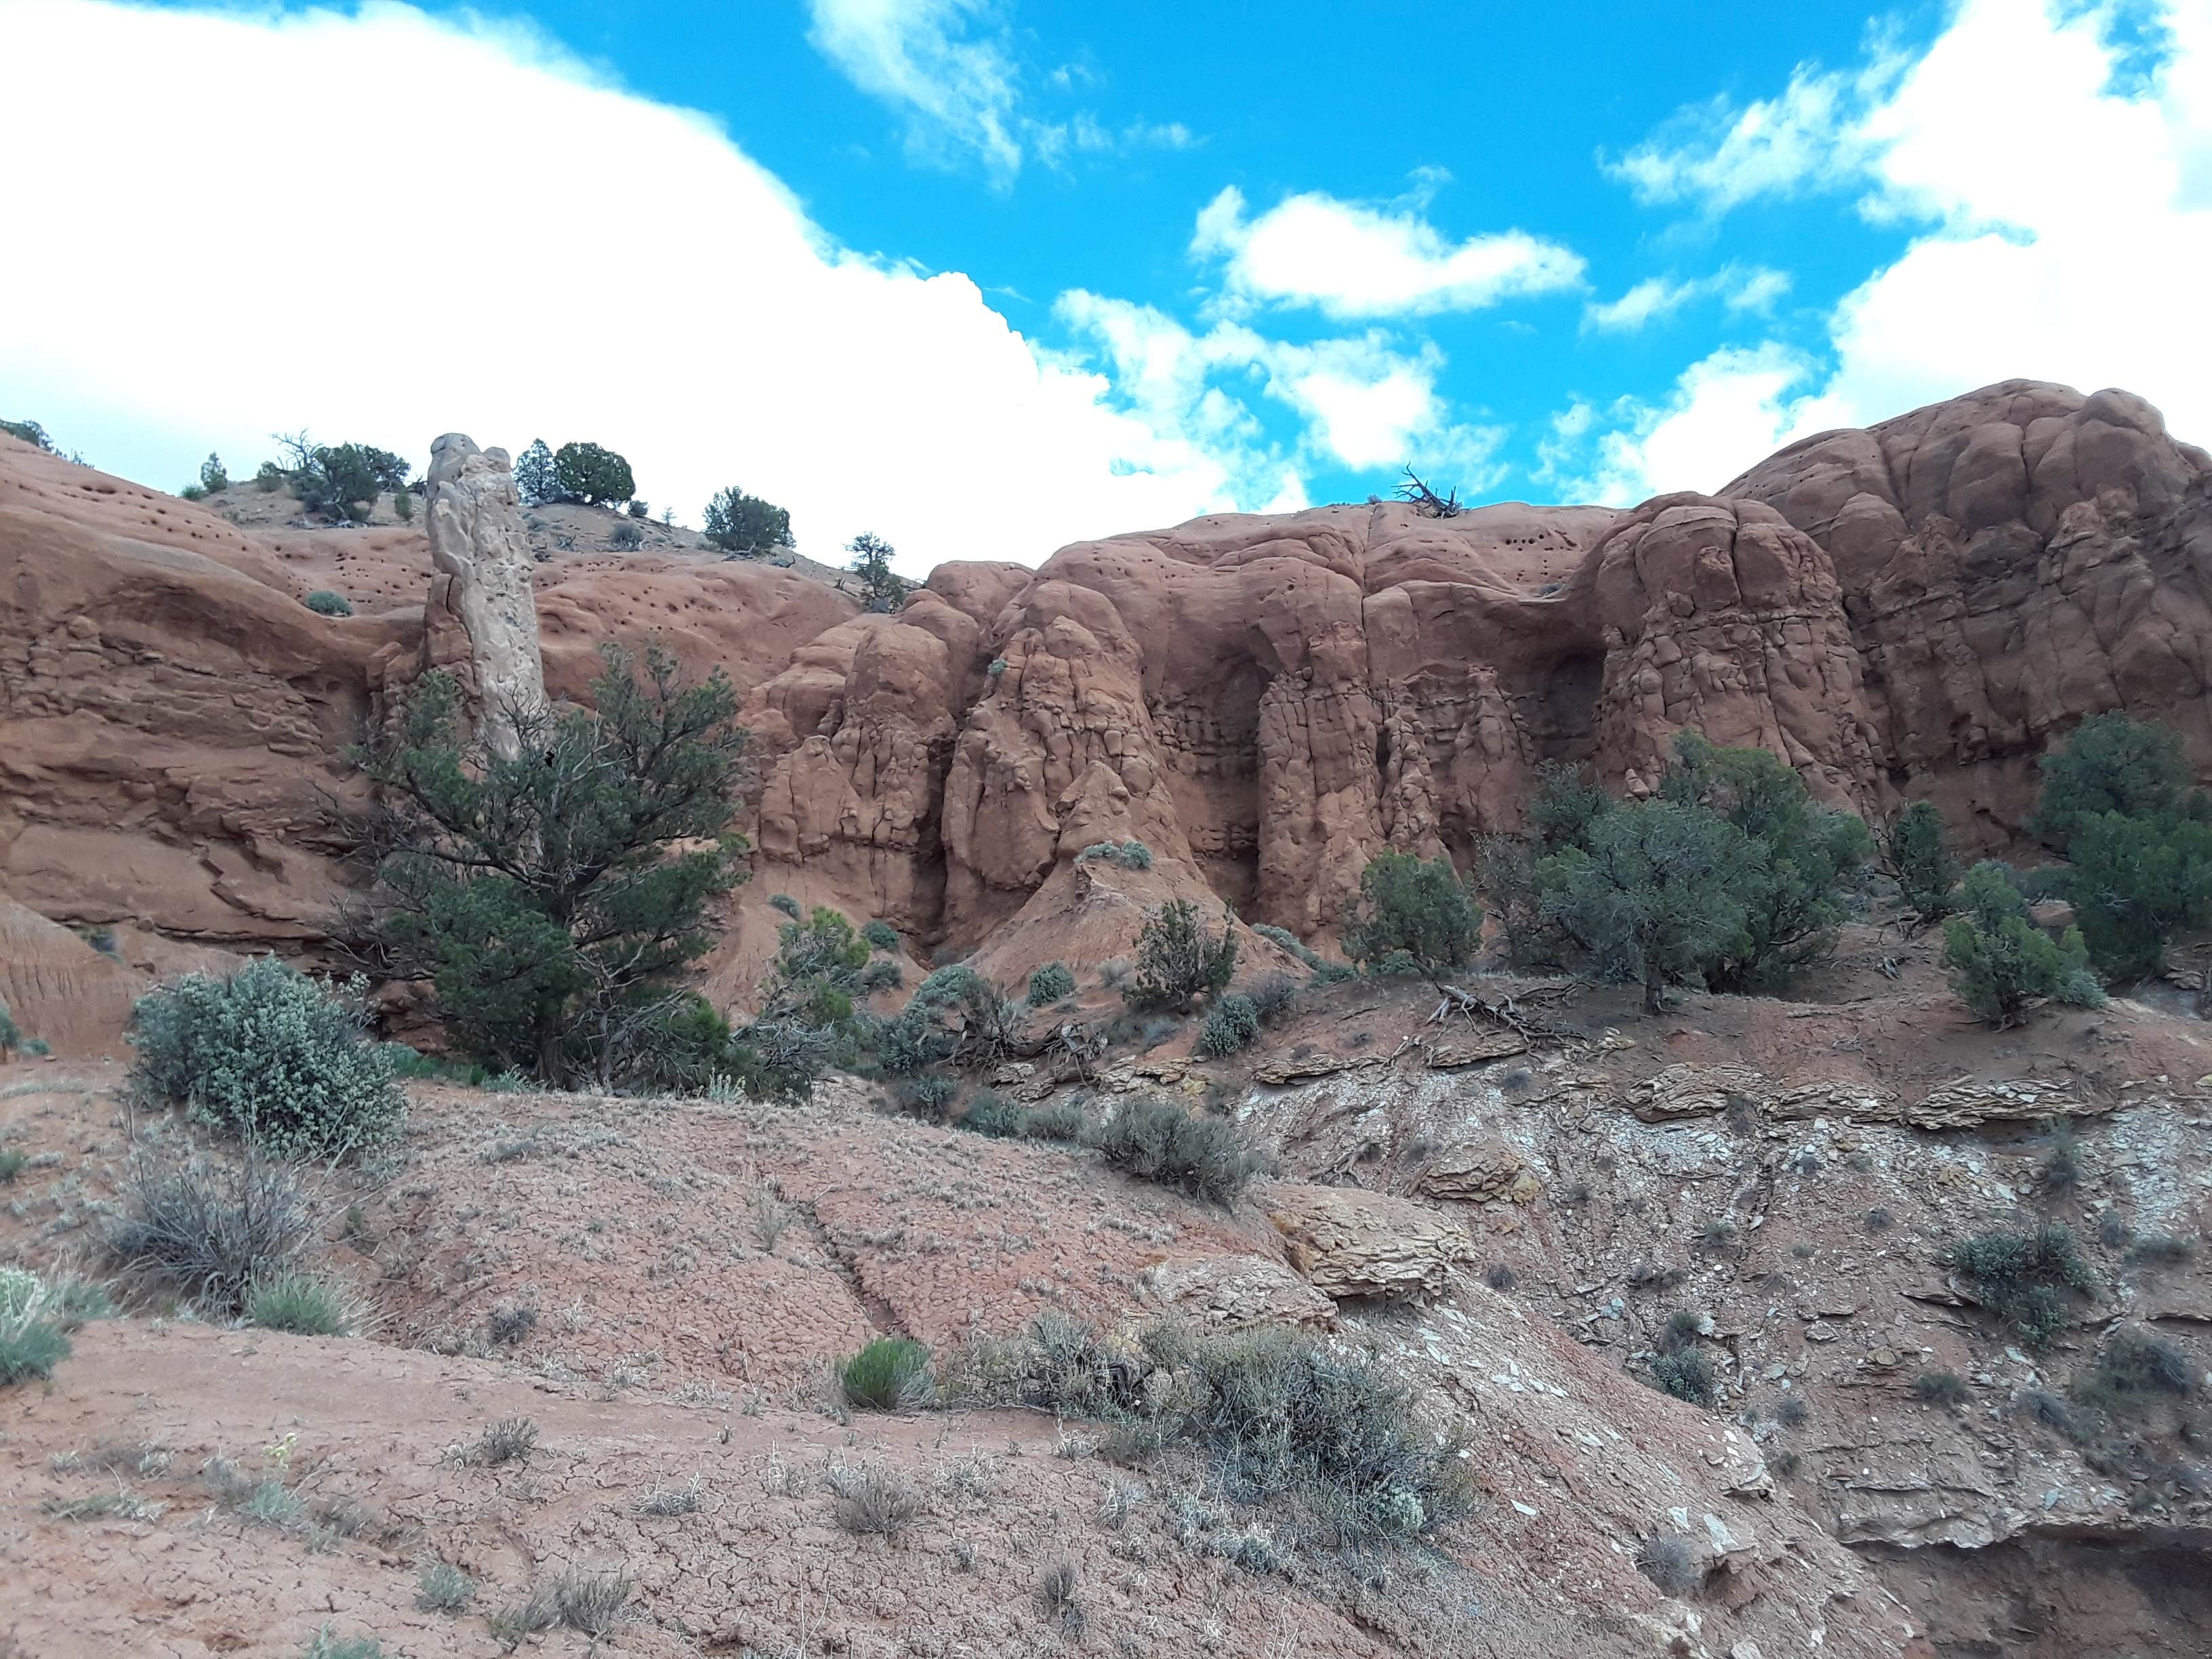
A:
x,y
1357,1244
1919,609
481,622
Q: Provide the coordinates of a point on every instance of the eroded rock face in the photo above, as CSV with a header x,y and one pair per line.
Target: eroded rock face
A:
x,y
1919,609
2010,560
481,622
1349,1244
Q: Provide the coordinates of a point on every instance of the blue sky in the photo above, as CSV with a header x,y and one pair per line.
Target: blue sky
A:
x,y
988,275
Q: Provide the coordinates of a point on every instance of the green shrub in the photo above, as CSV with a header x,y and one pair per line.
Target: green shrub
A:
x,y
1050,983
2109,763
881,935
213,479
1231,1027
2135,1366
591,1601
402,505
872,1498
511,1439
31,1340
1056,1120
300,1303
327,1643
1999,961
1290,941
11,1035
272,1055
625,536
890,1374
992,1114
1135,855
745,526
340,481
324,603
553,895
2136,883
1941,1389
1420,911
927,1097
29,432
1178,960
1686,1374
1156,1140
882,977
598,477
995,669
1916,855
2022,1276
785,902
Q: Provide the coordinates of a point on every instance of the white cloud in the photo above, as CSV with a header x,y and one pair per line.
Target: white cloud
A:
x,y
1726,411
957,93
1354,260
152,327
1718,156
949,67
2073,251
1364,404
2079,257
1755,289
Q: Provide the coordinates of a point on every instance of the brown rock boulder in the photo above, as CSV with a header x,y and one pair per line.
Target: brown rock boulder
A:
x,y
1350,1244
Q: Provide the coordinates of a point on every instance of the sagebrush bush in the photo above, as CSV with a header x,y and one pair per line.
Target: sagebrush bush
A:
x,y
992,1114
1290,941
31,1340
210,1229
324,603
1941,1389
1272,997
1280,1416
1050,983
1056,1120
1157,1140
1231,1025
270,1055
1686,1374
2135,1366
881,935
872,1498
1669,1561
890,1374
327,1643
300,1303
2023,1277
443,1588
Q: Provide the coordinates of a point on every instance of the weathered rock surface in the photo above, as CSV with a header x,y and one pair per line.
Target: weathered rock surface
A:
x,y
1233,1292
59,989
1349,1244
481,622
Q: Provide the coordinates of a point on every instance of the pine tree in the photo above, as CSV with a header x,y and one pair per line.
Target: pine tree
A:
x,y
533,474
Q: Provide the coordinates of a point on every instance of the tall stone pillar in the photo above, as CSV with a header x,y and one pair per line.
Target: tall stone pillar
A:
x,y
482,591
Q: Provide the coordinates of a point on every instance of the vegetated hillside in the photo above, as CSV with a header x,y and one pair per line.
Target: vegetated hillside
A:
x,y
1753,1202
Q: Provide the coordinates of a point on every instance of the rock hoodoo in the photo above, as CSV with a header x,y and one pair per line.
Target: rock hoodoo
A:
x,y
481,622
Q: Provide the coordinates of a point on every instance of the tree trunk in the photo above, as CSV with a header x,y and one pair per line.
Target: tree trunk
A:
x,y
1653,985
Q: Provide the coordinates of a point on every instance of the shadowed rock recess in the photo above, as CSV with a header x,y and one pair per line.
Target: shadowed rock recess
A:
x,y
1514,1226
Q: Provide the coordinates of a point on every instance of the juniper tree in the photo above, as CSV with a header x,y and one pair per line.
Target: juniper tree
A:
x,y
598,478
552,896
745,525
1412,908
